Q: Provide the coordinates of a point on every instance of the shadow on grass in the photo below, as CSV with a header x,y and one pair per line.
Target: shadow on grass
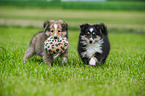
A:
x,y
73,62
36,59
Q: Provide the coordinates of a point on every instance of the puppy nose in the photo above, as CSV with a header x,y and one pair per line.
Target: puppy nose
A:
x,y
55,37
90,41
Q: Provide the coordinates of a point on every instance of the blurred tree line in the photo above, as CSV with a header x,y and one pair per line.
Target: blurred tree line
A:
x,y
107,5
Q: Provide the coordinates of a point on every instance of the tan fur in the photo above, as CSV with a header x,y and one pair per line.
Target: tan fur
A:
x,y
94,40
97,39
84,38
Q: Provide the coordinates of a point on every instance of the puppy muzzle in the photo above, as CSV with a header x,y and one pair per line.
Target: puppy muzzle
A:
x,y
91,40
55,37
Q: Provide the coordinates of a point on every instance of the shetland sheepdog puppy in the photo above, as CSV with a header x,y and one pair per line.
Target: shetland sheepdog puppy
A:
x,y
54,29
93,44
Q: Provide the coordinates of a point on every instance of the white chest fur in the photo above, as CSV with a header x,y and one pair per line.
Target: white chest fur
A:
x,y
91,49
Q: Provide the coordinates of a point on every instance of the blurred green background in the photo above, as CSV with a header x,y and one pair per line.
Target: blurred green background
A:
x,y
81,4
119,15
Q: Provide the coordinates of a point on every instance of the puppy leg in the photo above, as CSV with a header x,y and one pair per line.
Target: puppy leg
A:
x,y
56,56
93,61
100,58
47,58
29,52
65,56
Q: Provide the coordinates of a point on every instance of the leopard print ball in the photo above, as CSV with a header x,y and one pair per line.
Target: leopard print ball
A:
x,y
55,46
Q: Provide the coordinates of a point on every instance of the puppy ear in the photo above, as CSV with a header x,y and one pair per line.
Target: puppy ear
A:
x,y
47,23
64,26
103,28
84,27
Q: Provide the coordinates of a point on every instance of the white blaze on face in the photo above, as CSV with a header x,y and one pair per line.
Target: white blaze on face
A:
x,y
91,29
55,28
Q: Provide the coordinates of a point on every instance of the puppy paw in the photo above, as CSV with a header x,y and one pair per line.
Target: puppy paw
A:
x,y
93,61
64,60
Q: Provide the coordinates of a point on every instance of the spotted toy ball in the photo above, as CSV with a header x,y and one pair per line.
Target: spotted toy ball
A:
x,y
55,46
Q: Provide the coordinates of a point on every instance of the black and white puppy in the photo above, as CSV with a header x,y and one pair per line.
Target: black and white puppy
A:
x,y
93,45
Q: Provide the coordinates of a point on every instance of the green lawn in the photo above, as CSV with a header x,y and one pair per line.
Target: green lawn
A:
x,y
122,75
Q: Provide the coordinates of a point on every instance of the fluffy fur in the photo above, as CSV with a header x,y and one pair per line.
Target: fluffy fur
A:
x,y
93,45
53,29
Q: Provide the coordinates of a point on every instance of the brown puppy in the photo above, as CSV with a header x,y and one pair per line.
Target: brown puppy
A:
x,y
54,29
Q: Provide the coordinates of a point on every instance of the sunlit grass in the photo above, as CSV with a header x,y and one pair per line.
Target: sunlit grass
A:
x,y
123,73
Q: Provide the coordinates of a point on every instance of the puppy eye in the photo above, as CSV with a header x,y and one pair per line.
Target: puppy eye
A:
x,y
88,32
51,30
58,30
93,33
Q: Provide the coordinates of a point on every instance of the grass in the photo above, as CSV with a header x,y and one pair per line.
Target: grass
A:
x,y
123,73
